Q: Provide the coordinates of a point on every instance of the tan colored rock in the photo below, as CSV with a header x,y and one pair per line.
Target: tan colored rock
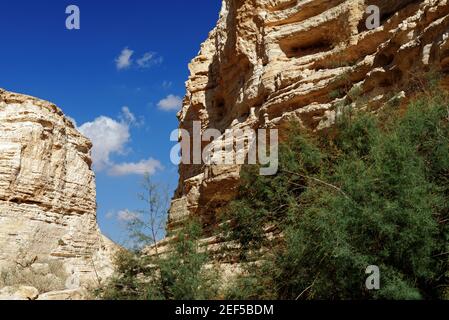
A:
x,y
270,61
47,193
40,268
74,294
19,293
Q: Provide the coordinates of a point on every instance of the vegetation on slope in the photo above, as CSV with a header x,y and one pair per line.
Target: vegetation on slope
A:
x,y
368,192
373,190
179,272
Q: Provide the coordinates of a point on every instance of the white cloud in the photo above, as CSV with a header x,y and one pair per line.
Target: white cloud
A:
x,y
110,215
108,136
149,59
170,103
126,215
122,215
167,84
124,60
149,166
127,116
111,137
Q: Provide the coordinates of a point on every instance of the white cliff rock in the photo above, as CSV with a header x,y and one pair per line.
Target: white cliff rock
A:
x,y
47,193
271,61
19,293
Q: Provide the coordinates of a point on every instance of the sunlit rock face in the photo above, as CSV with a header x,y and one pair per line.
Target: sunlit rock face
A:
x,y
47,193
270,61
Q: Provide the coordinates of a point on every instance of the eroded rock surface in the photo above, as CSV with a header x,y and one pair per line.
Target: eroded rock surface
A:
x,y
270,61
47,195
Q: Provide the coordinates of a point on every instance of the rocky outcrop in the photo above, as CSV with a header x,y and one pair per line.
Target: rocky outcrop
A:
x,y
47,196
31,293
19,293
270,61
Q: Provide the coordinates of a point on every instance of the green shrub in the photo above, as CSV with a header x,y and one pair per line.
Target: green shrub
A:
x,y
366,193
180,274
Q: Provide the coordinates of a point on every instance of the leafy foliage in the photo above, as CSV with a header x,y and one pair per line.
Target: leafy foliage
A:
x,y
180,274
365,193
146,226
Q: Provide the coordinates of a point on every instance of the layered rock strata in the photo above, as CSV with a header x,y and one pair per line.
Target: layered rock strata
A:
x,y
47,194
270,61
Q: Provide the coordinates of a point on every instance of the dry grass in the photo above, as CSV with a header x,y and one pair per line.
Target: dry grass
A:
x,y
52,279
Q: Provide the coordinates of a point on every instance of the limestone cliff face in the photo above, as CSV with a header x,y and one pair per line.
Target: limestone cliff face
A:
x,y
47,192
270,61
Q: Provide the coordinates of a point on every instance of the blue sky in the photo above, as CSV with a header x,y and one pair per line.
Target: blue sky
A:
x,y
120,76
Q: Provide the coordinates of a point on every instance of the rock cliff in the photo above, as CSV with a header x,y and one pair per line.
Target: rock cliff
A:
x,y
270,61
47,195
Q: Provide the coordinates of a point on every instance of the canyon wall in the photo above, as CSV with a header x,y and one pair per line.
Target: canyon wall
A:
x,y
268,62
47,194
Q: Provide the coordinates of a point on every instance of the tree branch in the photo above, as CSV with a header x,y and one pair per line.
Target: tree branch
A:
x,y
319,181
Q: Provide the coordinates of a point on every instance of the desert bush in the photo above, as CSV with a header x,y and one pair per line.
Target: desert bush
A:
x,y
364,193
179,274
147,225
51,279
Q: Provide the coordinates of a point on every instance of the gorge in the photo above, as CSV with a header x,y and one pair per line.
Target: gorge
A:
x,y
265,64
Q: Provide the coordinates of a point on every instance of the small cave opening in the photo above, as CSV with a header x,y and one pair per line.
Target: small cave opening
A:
x,y
312,40
220,103
293,49
220,106
218,110
384,60
392,79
